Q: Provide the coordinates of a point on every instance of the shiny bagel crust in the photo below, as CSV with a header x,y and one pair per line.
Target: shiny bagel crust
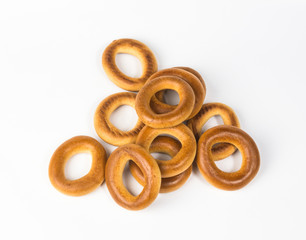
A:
x,y
135,48
86,184
105,129
160,95
245,144
148,166
185,156
196,85
170,119
208,110
171,147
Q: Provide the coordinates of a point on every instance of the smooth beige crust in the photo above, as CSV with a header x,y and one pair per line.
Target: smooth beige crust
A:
x,y
208,110
171,147
64,152
245,144
113,176
135,48
105,129
183,159
170,119
196,85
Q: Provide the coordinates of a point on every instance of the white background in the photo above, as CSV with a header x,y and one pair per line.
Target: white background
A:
x,y
252,55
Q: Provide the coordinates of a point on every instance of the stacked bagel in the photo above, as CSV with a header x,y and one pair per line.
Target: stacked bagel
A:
x,y
183,122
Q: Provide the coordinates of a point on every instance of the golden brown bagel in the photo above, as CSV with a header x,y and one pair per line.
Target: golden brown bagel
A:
x,y
245,144
197,87
160,95
170,119
171,147
105,129
113,176
135,48
208,110
183,159
64,152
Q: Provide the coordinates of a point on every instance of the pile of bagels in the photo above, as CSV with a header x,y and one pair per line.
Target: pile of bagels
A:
x,y
175,130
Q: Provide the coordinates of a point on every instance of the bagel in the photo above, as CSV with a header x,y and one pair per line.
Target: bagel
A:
x,y
196,85
105,129
245,144
149,168
170,119
135,48
86,184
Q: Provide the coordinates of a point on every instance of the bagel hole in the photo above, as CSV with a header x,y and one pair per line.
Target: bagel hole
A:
x,y
129,65
130,182
124,118
78,166
161,156
212,122
171,97
230,164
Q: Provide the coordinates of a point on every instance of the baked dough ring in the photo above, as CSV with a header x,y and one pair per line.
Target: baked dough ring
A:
x,y
160,95
86,184
113,176
135,48
183,159
208,110
170,119
245,144
105,129
171,147
197,87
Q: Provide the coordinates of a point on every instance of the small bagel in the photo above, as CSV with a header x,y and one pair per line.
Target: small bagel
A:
x,y
171,147
185,156
135,48
208,110
197,87
170,119
245,144
160,95
105,129
149,168
86,184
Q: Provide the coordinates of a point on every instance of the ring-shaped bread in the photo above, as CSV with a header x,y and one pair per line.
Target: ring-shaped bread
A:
x,y
86,184
149,168
135,48
170,119
105,129
196,85
246,146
